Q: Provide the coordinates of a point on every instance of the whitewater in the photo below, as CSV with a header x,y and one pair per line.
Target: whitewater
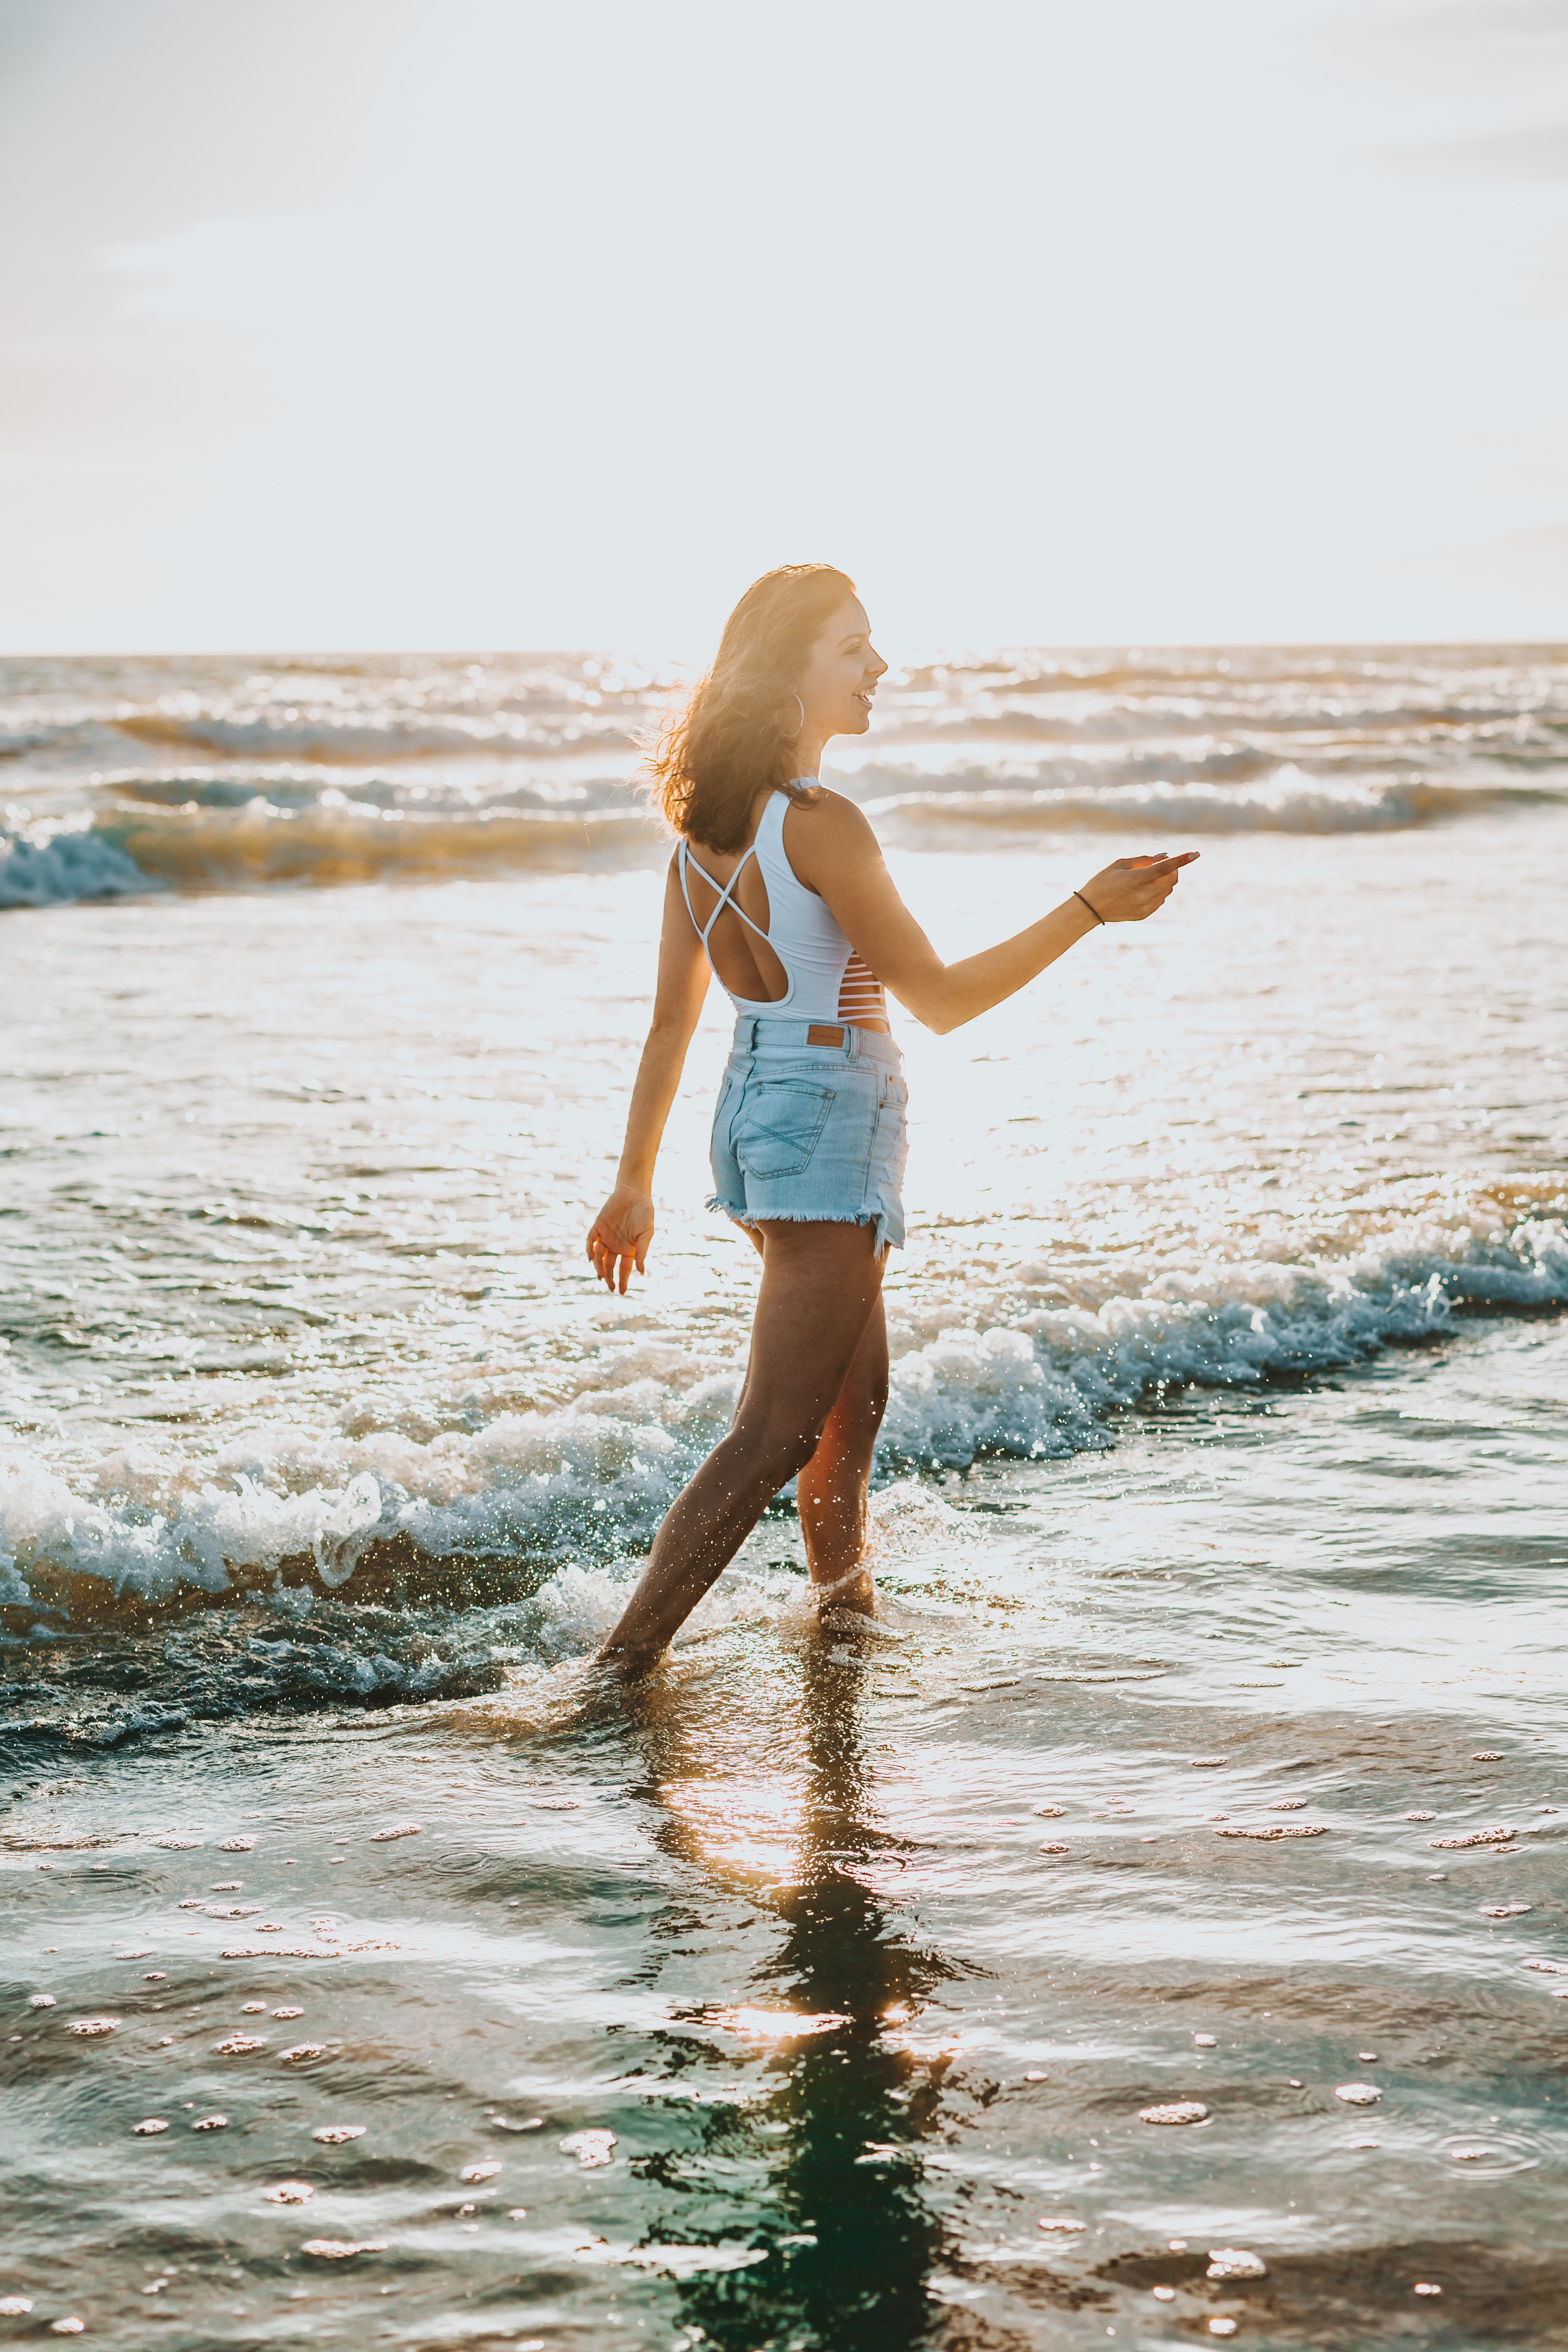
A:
x,y
1221,1489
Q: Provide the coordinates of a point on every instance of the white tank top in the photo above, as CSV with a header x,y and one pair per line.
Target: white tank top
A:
x,y
828,980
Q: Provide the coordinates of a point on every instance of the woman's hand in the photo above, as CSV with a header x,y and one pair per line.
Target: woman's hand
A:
x,y
1133,888
620,1236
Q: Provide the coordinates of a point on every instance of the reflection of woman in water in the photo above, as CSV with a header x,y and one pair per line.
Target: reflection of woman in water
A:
x,y
778,886
825,2155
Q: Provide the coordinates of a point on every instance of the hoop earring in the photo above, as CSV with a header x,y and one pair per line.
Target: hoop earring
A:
x,y
801,729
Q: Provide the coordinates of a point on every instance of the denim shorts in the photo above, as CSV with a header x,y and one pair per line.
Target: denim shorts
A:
x,y
811,1134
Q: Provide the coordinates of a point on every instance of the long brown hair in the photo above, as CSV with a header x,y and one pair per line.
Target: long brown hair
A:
x,y
736,733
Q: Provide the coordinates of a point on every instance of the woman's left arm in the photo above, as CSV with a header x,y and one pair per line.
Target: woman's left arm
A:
x,y
622,1233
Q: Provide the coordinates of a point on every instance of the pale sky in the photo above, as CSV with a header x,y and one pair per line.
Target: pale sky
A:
x,y
486,324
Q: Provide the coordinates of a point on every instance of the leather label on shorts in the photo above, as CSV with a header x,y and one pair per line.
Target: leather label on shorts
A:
x,y
821,1033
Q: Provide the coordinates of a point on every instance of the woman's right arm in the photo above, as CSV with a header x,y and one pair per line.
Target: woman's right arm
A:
x,y
623,1230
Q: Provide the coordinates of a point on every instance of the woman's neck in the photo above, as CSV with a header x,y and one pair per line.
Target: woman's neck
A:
x,y
808,753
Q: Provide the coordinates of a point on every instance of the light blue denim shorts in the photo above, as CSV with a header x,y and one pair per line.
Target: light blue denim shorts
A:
x,y
813,1134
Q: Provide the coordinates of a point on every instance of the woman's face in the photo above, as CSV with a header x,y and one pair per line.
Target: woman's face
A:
x,y
840,675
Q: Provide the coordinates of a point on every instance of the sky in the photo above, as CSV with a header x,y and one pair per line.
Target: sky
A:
x,y
487,323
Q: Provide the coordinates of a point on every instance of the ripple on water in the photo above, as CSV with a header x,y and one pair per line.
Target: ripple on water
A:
x,y
1498,2153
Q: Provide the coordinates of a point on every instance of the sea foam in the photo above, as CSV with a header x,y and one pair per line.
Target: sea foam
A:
x,y
588,1483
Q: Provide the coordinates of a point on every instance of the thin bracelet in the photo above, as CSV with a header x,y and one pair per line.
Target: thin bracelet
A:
x,y
1098,919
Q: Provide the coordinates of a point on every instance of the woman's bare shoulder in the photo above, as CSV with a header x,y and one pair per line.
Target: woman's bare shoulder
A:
x,y
827,837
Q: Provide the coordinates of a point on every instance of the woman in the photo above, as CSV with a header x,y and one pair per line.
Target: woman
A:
x,y
779,888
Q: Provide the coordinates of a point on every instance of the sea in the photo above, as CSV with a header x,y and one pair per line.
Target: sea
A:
x,y
1120,1938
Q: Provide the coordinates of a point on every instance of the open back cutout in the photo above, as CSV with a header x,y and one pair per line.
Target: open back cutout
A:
x,y
741,957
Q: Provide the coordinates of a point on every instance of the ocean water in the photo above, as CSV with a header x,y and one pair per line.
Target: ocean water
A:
x,y
1218,1692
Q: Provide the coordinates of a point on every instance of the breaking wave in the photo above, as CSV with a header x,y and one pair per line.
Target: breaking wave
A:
x,y
1285,801
535,1492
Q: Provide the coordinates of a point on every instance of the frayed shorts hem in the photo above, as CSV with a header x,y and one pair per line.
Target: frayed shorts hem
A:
x,y
881,1240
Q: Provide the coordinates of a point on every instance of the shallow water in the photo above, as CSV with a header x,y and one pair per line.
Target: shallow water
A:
x,y
1222,1492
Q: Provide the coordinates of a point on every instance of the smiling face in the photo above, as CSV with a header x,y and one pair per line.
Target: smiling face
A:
x,y
840,676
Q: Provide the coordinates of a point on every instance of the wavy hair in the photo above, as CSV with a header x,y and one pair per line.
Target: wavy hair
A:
x,y
728,740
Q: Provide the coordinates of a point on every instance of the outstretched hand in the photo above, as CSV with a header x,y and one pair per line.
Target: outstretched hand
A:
x,y
1133,888
619,1238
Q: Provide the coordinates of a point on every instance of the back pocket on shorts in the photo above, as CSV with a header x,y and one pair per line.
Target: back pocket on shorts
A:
x,y
779,1124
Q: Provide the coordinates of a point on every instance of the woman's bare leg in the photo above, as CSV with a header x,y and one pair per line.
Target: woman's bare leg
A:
x,y
820,1285
831,1491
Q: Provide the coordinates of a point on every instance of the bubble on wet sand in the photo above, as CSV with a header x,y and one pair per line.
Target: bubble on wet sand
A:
x,y
40,2001
1176,2111
505,2122
1367,2057
398,1829
141,1952
1066,2222
191,1903
337,2135
589,2147
236,1845
1207,1763
224,1886
1486,1756
15,2306
1287,1805
155,1976
287,2012
1494,1836
88,2029
1505,1910
210,2123
1234,2262
1222,2327
1427,2286
253,2008
177,1844
288,2192
1049,1848
150,2127
339,2250
1035,2074
1469,2155
1050,1812
73,2326
1363,2143
1204,2041
1275,1829
1549,1968
1163,2293
302,2053
1358,2095
472,2172
1419,1816
237,2044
